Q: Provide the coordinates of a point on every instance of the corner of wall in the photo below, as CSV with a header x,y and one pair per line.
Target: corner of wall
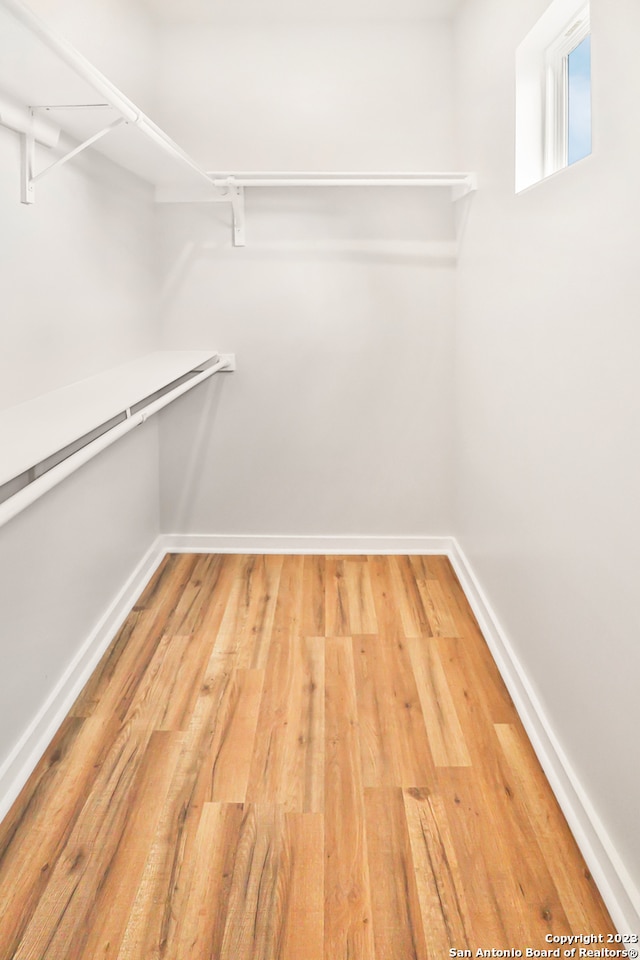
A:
x,y
618,890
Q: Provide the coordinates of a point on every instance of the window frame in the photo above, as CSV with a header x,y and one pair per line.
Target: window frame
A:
x,y
556,133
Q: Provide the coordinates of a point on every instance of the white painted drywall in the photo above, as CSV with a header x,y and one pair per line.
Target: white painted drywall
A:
x,y
340,308
299,96
77,273
203,11
63,561
116,36
548,447
77,287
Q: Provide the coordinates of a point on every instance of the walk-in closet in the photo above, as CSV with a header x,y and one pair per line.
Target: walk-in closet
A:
x,y
319,458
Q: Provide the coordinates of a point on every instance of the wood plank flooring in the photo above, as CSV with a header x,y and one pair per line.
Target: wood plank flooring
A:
x,y
291,758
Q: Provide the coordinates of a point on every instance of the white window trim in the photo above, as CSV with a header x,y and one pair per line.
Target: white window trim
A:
x,y
557,90
532,89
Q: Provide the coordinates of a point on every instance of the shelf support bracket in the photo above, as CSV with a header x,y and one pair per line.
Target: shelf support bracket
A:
x,y
236,195
227,189
29,178
28,156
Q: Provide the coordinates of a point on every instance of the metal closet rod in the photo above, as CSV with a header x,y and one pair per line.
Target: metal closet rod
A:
x,y
47,481
337,179
84,69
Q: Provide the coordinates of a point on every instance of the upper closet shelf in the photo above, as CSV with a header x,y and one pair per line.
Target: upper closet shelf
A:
x,y
461,183
231,186
47,86
47,438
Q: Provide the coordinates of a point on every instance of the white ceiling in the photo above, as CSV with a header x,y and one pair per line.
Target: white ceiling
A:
x,y
208,11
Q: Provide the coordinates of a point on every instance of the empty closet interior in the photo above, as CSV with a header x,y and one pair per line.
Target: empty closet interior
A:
x,y
268,289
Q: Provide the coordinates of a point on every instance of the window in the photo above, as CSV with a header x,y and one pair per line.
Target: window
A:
x,y
553,93
568,96
579,101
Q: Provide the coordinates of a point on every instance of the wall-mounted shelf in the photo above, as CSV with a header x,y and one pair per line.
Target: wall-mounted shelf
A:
x,y
51,88
232,185
460,183
48,438
48,81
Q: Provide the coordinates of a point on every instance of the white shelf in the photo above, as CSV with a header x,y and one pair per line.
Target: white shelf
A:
x,y
156,160
45,439
39,68
34,431
465,182
231,186
53,87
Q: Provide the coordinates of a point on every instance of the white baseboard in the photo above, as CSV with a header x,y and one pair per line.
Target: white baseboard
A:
x,y
19,765
616,886
607,868
247,543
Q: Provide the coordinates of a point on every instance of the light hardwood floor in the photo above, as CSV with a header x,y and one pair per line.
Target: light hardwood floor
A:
x,y
291,758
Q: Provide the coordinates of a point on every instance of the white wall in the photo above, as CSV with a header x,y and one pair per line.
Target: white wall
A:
x,y
548,447
77,287
77,269
63,561
324,95
116,36
340,308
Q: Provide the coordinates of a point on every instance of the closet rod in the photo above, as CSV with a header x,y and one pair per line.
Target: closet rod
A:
x,y
25,497
84,69
337,179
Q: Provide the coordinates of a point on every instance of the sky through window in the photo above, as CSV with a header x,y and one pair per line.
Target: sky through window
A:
x,y
579,124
